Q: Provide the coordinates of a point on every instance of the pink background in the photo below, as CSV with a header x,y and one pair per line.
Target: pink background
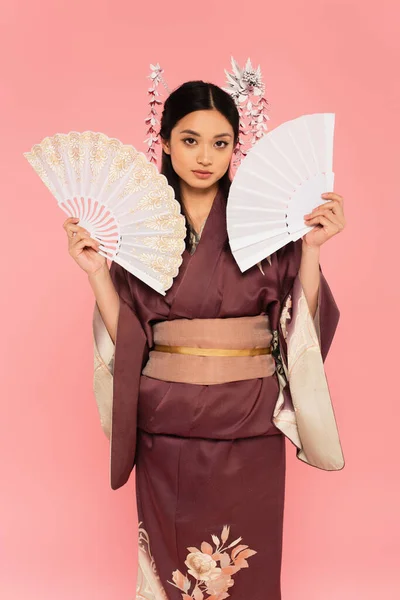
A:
x,y
78,65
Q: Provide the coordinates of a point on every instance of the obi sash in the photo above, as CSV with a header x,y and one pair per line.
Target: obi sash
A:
x,y
211,351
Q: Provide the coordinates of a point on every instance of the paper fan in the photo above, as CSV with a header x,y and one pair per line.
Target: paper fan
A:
x,y
280,180
119,197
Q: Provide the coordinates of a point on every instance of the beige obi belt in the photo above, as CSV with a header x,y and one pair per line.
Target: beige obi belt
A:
x,y
211,351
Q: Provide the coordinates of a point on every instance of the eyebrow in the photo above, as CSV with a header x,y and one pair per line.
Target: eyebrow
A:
x,y
198,134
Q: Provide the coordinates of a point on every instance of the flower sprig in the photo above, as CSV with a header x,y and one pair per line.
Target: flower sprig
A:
x,y
153,139
212,581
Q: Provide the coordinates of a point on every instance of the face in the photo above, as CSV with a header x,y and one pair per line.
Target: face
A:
x,y
203,140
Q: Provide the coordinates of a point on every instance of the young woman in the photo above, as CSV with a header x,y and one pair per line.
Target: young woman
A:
x,y
199,424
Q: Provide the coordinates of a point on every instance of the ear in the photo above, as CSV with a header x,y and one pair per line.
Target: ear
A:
x,y
165,146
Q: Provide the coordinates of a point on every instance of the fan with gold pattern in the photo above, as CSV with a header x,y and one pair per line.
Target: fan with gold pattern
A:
x,y
119,197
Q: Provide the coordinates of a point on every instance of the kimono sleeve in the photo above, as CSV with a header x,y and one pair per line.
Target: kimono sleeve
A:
x,y
304,344
327,315
116,380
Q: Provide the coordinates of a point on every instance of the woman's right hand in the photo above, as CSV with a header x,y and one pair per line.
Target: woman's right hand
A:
x,y
83,248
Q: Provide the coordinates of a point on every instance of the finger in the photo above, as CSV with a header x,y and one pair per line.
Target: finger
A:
x,y
333,196
333,218
325,212
328,214
72,230
336,218
78,228
70,220
78,236
327,223
85,242
333,206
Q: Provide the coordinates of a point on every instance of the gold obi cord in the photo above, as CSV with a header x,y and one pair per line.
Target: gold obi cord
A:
x,y
211,351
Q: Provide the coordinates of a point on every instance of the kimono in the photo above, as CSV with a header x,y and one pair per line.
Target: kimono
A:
x,y
210,459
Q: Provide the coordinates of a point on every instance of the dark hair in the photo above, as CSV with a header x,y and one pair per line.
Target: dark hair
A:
x,y
189,97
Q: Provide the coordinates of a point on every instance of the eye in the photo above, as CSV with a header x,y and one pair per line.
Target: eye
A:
x,y
187,139
222,142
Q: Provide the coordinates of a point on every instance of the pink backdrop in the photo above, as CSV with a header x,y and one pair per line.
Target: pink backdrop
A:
x,y
80,65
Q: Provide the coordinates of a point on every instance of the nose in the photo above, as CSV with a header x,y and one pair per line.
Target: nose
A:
x,y
204,156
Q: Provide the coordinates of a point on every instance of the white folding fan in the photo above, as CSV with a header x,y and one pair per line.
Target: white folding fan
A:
x,y
119,197
280,180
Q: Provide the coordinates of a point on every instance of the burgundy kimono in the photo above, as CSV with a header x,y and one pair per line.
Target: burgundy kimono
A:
x,y
210,459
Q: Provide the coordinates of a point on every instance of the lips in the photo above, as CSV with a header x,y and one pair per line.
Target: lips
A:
x,y
202,172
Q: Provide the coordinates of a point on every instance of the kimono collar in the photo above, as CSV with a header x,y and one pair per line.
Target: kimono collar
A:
x,y
214,227
196,271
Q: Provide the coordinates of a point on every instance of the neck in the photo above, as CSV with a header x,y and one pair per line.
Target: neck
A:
x,y
197,203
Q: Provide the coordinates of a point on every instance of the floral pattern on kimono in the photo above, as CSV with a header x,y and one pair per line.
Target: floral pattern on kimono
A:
x,y
212,568
148,583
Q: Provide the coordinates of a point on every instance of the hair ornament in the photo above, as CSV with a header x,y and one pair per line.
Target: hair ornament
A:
x,y
247,89
152,120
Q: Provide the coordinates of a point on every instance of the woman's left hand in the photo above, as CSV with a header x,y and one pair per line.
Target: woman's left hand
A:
x,y
331,218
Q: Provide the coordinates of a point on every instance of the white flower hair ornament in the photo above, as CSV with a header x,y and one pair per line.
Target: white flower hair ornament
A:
x,y
247,89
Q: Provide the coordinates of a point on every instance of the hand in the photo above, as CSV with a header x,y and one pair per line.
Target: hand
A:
x,y
328,217
83,248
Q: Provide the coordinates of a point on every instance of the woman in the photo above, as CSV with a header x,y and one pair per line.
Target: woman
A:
x,y
208,447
